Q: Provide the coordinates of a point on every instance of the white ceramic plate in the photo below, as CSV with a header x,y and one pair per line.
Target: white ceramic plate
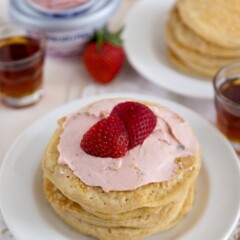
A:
x,y
147,52
213,217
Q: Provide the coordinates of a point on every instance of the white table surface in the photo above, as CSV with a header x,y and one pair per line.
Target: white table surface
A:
x,y
68,80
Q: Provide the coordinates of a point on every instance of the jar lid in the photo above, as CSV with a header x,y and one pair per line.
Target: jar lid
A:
x,y
101,11
60,8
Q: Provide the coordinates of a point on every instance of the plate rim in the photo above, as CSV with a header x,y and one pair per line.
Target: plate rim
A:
x,y
87,100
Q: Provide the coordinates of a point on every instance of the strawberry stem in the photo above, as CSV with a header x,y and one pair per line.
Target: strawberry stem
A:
x,y
113,38
100,38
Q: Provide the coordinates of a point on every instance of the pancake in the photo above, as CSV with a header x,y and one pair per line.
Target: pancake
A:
x,y
125,215
145,219
182,66
188,38
73,215
212,21
212,63
89,197
234,5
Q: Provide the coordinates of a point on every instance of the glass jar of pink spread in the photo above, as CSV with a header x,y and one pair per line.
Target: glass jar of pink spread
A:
x,y
67,32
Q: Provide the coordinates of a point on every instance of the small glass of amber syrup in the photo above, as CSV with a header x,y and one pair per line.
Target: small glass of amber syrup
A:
x,y
21,64
227,102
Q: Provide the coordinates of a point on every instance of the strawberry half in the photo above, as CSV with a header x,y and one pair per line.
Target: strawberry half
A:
x,y
138,119
107,138
104,57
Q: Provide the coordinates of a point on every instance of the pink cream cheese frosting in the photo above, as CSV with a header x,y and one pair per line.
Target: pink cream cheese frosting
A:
x,y
152,161
57,4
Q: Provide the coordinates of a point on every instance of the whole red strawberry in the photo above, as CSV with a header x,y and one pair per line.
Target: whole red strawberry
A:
x,y
104,57
107,138
139,121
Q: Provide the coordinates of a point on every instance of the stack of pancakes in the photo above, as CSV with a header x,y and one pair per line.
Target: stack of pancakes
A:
x,y
118,215
203,35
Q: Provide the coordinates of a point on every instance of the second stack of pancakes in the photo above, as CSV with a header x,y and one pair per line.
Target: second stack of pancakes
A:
x,y
203,35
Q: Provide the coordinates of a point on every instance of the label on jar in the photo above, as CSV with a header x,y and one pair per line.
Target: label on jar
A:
x,y
67,44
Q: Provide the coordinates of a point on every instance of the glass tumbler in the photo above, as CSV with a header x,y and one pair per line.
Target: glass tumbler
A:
x,y
227,102
21,64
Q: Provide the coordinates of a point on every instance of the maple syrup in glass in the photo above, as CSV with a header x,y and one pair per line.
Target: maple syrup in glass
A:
x,y
21,65
227,102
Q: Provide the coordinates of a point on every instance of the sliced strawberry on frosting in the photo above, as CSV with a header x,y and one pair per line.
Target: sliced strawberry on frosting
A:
x,y
128,125
138,119
107,138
